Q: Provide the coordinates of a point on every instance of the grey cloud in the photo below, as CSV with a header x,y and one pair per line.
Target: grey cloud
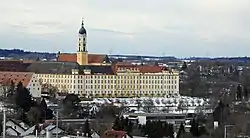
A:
x,y
179,28
49,23
111,31
19,26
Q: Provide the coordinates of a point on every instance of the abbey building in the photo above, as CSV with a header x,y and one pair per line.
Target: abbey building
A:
x,y
94,75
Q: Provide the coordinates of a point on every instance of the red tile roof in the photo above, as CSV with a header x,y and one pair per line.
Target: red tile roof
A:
x,y
96,58
92,58
124,63
67,57
13,65
150,69
113,134
16,77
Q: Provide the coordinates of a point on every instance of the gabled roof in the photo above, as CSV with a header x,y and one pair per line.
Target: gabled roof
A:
x,y
10,128
52,67
16,77
29,131
13,65
95,69
50,128
66,68
92,58
113,133
98,58
67,57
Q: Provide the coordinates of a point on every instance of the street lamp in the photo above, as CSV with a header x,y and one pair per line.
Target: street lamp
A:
x,y
56,124
4,123
225,130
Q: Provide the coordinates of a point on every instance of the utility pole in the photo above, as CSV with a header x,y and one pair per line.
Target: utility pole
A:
x,y
225,131
4,123
56,124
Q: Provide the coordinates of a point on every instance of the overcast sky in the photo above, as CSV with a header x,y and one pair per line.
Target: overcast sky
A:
x,y
179,28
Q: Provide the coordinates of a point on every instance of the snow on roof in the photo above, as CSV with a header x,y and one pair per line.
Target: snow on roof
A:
x,y
29,131
137,112
49,127
23,125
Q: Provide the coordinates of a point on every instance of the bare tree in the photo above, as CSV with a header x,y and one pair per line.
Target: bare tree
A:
x,y
180,106
148,105
50,90
138,104
193,81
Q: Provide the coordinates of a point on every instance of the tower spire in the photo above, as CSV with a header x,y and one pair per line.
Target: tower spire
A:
x,y
82,53
82,21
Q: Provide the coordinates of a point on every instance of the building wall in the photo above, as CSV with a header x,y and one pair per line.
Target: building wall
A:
x,y
82,54
82,58
34,86
120,85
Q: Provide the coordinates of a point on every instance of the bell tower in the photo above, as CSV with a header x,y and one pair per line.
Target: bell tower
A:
x,y
82,53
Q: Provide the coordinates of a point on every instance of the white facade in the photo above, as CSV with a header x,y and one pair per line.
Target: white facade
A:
x,y
121,85
34,86
28,79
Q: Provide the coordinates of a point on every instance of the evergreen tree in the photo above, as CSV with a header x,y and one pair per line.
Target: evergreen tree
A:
x,y
117,124
165,129
239,92
43,104
218,114
1,125
184,66
147,127
129,127
19,86
171,130
122,123
153,130
46,113
245,93
49,114
181,131
159,130
12,86
23,98
87,129
194,130
70,104
203,130
34,116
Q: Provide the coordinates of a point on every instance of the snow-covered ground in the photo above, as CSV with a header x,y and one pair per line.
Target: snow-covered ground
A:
x,y
178,104
184,101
